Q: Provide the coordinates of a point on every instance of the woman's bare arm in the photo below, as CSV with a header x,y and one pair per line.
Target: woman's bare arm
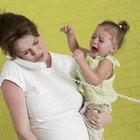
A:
x,y
15,100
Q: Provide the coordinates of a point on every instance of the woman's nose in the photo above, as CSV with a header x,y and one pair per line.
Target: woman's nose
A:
x,y
34,51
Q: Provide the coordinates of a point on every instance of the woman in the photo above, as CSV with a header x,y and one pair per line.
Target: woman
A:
x,y
42,104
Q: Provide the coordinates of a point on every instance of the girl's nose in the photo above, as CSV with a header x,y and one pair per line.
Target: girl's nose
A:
x,y
94,40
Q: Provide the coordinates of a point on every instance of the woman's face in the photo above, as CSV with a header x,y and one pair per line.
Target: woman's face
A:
x,y
31,48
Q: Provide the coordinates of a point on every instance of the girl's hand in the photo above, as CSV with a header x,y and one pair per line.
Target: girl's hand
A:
x,y
96,117
67,30
79,56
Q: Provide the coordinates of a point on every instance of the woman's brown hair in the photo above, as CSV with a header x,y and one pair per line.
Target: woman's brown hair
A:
x,y
13,27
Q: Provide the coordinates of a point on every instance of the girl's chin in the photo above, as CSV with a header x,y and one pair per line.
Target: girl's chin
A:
x,y
94,54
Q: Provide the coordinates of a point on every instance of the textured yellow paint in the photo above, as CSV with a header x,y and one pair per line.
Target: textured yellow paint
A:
x,y
50,15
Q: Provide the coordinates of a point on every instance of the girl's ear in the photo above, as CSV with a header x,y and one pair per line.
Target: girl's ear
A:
x,y
114,48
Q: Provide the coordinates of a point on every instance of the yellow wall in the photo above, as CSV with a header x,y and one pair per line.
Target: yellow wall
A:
x,y
84,15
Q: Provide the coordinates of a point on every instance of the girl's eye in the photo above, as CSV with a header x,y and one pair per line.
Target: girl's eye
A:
x,y
93,37
101,41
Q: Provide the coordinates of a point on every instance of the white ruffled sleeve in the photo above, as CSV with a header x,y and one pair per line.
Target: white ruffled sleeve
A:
x,y
12,72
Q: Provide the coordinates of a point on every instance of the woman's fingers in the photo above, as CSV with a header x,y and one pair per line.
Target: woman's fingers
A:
x,y
93,117
97,117
94,107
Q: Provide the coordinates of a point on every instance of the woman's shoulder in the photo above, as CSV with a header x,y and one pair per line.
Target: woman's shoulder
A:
x,y
62,58
10,68
61,55
12,72
63,62
10,64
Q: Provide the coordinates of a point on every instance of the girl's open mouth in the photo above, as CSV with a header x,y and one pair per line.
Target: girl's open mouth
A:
x,y
94,50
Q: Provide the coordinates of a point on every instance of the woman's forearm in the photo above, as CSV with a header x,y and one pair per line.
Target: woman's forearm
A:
x,y
26,135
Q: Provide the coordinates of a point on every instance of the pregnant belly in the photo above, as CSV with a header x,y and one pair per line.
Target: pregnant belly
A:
x,y
61,128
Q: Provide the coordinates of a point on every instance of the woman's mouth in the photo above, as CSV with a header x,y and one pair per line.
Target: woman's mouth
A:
x,y
40,58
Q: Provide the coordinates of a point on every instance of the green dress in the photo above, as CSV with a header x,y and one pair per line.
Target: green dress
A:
x,y
104,93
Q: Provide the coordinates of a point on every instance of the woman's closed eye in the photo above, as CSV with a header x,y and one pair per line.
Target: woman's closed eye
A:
x,y
26,52
36,42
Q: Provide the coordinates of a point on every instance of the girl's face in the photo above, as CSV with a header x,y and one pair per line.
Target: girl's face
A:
x,y
101,43
31,48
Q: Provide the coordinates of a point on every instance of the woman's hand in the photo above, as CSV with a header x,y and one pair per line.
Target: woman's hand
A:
x,y
96,117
